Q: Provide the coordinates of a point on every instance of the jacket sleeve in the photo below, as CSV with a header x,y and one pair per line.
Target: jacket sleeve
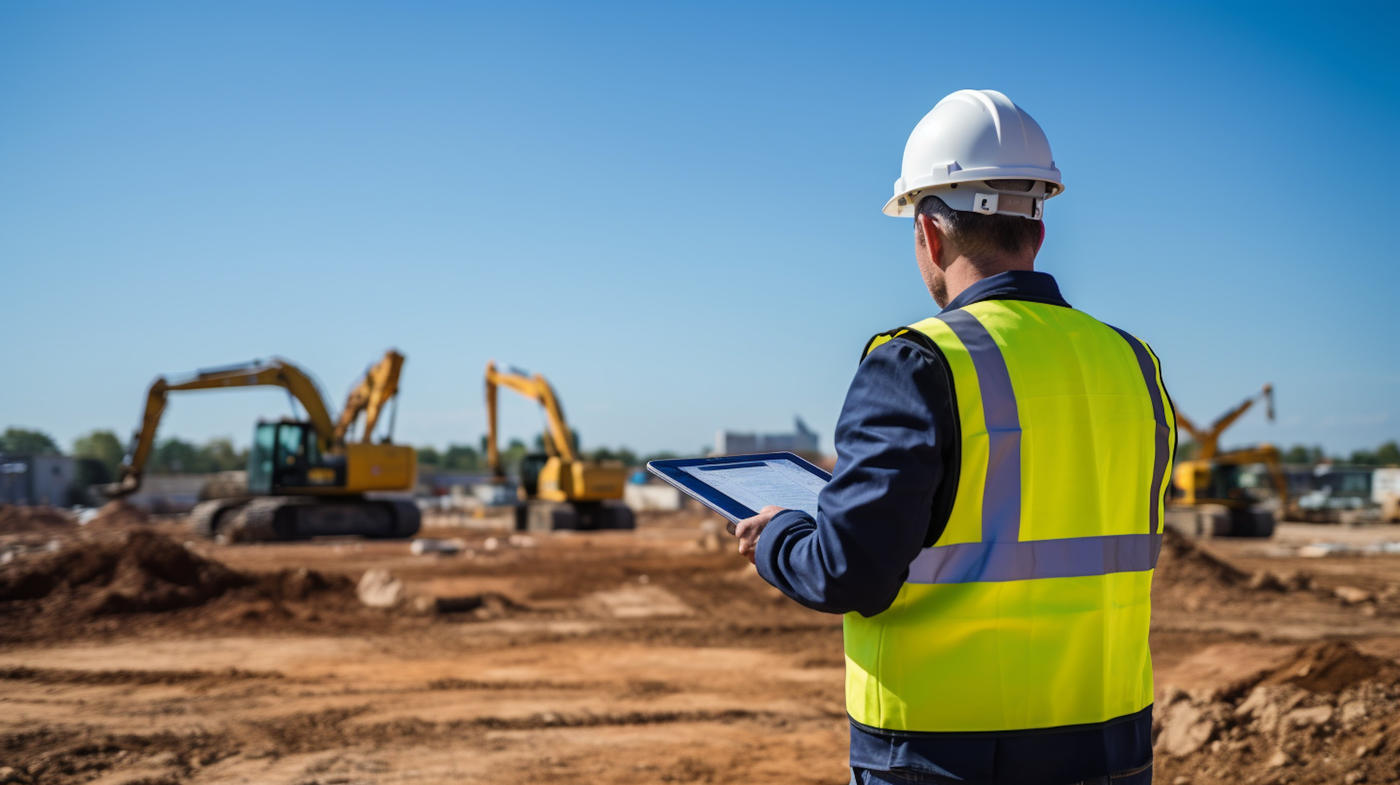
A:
x,y
874,515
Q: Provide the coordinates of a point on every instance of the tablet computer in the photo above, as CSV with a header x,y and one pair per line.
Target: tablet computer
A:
x,y
738,486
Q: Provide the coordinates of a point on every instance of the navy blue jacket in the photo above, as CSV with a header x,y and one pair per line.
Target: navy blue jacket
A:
x,y
894,459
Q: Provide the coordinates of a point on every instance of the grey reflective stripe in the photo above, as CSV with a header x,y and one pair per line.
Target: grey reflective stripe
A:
x,y
1073,557
1001,493
1163,431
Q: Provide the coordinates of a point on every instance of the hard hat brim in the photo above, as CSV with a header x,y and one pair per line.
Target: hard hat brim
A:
x,y
906,203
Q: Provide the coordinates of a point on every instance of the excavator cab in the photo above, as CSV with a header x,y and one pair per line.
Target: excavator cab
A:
x,y
286,454
530,467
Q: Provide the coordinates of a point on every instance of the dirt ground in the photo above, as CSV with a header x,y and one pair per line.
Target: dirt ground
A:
x,y
656,656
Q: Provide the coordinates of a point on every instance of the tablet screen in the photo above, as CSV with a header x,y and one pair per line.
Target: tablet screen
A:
x,y
738,486
757,484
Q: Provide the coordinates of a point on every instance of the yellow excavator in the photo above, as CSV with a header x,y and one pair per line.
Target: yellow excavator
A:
x,y
305,478
557,489
1211,499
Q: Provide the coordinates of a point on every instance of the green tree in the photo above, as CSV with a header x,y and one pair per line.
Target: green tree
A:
x,y
513,454
175,456
429,456
88,472
219,455
1388,454
1303,454
103,447
461,457
1363,458
573,437
22,441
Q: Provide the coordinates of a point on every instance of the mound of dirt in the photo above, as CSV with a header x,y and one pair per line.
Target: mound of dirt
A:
x,y
15,519
1183,564
131,572
1331,667
1329,714
119,513
108,579
1190,577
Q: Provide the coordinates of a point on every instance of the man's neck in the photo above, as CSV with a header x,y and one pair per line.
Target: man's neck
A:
x,y
964,272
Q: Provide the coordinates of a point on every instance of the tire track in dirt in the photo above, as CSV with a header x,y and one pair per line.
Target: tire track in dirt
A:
x,y
122,676
72,754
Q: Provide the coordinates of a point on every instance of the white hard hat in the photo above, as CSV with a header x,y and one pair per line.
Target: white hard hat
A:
x,y
968,139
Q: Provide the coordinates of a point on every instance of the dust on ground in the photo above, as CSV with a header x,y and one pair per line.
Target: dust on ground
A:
x,y
613,657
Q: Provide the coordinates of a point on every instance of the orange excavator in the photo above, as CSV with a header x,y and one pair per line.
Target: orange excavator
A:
x,y
1211,500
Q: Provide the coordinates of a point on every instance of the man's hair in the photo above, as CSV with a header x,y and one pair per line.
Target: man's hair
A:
x,y
980,237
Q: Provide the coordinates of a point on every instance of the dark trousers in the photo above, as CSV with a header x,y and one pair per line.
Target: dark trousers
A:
x,y
912,777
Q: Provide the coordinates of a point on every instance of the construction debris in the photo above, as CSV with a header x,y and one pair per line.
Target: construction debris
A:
x,y
424,545
1328,714
378,589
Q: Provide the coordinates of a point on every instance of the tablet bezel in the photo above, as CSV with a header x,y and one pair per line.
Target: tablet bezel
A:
x,y
670,471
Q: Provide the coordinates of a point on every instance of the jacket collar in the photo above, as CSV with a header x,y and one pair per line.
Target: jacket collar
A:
x,y
1036,287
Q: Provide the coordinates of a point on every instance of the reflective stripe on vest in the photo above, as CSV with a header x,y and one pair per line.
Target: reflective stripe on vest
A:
x,y
1031,609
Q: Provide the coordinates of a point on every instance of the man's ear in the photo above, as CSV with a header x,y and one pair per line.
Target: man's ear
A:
x,y
932,239
1041,241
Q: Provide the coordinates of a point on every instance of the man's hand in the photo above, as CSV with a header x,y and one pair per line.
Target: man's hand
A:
x,y
748,530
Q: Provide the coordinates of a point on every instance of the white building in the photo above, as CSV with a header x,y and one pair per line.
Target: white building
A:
x,y
801,440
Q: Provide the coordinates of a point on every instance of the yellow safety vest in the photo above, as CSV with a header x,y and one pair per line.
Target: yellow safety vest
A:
x,y
1031,609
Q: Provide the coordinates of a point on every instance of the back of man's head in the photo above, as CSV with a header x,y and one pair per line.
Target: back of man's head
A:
x,y
984,239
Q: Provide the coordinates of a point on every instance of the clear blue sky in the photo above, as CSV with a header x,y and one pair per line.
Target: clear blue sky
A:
x,y
673,211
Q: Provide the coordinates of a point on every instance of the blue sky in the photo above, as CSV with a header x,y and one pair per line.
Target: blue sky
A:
x,y
671,210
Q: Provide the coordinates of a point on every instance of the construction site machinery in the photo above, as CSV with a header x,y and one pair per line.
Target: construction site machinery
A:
x,y
557,489
305,477
1211,500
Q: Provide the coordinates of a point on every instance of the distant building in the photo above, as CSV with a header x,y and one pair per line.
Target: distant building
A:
x,y
802,440
36,479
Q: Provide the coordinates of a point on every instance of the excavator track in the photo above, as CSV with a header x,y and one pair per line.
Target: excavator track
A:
x,y
543,516
207,516
282,518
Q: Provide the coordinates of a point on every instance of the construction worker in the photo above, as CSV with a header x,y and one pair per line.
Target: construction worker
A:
x,y
996,509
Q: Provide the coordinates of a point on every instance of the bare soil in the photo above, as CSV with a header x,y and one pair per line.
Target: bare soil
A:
x,y
119,513
15,519
642,657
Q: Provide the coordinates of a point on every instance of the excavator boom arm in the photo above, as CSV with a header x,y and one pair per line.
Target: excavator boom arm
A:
x,y
537,389
1209,440
378,386
274,373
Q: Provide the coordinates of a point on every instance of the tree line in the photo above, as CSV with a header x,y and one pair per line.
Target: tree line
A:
x,y
1387,454
100,454
468,458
